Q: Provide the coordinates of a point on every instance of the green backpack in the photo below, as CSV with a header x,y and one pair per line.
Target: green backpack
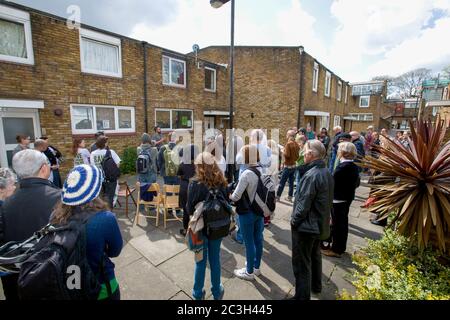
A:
x,y
169,163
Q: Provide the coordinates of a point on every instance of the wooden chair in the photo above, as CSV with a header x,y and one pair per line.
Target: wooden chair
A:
x,y
171,202
126,192
155,203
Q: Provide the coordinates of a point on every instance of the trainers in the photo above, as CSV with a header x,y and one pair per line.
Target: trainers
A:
x,y
288,198
234,237
256,271
330,253
243,274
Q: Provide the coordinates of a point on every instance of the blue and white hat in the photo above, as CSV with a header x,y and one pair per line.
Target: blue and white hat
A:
x,y
82,185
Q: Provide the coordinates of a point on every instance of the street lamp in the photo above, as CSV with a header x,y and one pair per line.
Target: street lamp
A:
x,y
217,4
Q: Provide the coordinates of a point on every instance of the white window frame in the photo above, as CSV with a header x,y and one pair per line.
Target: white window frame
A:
x,y
215,79
315,83
328,84
170,72
116,119
23,18
171,117
105,39
346,94
339,91
368,101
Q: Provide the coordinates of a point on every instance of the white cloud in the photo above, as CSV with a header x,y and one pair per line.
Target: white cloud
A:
x,y
198,23
392,30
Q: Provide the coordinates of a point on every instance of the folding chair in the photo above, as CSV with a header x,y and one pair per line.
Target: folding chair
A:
x,y
156,202
126,192
171,202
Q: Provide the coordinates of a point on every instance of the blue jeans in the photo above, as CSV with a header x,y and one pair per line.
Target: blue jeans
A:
x,y
171,180
211,250
287,174
149,177
252,227
239,236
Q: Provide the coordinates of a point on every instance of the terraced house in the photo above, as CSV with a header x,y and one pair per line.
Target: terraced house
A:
x,y
67,83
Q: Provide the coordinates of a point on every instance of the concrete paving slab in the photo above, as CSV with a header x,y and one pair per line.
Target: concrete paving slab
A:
x,y
237,289
143,281
180,296
128,255
180,269
157,246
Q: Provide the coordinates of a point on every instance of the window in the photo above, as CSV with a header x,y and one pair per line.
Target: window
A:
x,y
410,105
171,119
315,76
346,94
15,36
174,72
339,91
210,79
100,54
359,117
364,101
367,89
327,84
87,119
404,125
337,121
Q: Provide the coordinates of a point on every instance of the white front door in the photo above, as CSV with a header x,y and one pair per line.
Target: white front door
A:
x,y
209,122
15,121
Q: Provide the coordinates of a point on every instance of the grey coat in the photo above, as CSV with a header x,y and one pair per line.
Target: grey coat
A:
x,y
313,201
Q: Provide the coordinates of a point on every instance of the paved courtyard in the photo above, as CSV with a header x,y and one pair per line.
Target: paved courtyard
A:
x,y
156,264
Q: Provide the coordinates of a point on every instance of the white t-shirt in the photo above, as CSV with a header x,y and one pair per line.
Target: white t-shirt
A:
x,y
98,155
82,157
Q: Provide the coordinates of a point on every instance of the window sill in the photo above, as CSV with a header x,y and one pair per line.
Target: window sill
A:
x,y
178,86
25,64
211,91
116,77
112,134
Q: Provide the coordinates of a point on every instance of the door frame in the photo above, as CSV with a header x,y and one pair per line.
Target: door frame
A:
x,y
16,113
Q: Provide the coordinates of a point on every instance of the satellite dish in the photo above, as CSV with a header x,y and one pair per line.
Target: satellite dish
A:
x,y
195,48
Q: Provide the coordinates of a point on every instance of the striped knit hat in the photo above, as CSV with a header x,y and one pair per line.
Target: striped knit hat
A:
x,y
82,185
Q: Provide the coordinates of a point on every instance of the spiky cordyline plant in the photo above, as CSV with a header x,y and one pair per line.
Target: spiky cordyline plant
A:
x,y
416,184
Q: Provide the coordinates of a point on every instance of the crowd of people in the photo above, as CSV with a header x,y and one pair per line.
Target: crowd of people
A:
x,y
322,174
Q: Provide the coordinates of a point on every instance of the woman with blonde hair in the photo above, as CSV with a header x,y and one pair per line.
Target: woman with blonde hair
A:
x,y
346,180
208,177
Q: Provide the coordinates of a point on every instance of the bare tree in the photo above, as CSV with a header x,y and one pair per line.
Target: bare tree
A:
x,y
446,72
408,84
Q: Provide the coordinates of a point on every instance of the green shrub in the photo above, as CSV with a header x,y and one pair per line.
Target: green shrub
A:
x,y
128,163
392,269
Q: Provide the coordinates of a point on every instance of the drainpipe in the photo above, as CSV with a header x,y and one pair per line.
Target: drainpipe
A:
x,y
300,89
144,48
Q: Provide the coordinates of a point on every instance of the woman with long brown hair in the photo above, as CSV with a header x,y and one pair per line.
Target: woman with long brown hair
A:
x,y
208,177
80,153
80,200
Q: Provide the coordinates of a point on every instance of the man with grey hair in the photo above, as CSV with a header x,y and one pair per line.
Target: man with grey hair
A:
x,y
29,209
310,221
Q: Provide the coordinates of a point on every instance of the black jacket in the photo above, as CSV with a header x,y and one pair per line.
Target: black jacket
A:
x,y
197,192
53,157
29,208
313,201
185,171
346,180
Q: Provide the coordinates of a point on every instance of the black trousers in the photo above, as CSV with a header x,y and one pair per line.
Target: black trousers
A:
x,y
109,191
339,230
9,283
306,264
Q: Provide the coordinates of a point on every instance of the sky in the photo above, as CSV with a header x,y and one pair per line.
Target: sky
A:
x,y
355,39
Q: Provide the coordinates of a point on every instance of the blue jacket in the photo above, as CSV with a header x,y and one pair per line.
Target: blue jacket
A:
x,y
103,240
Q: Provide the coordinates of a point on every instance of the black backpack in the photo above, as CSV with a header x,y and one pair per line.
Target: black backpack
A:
x,y
216,215
265,198
143,163
110,168
48,273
